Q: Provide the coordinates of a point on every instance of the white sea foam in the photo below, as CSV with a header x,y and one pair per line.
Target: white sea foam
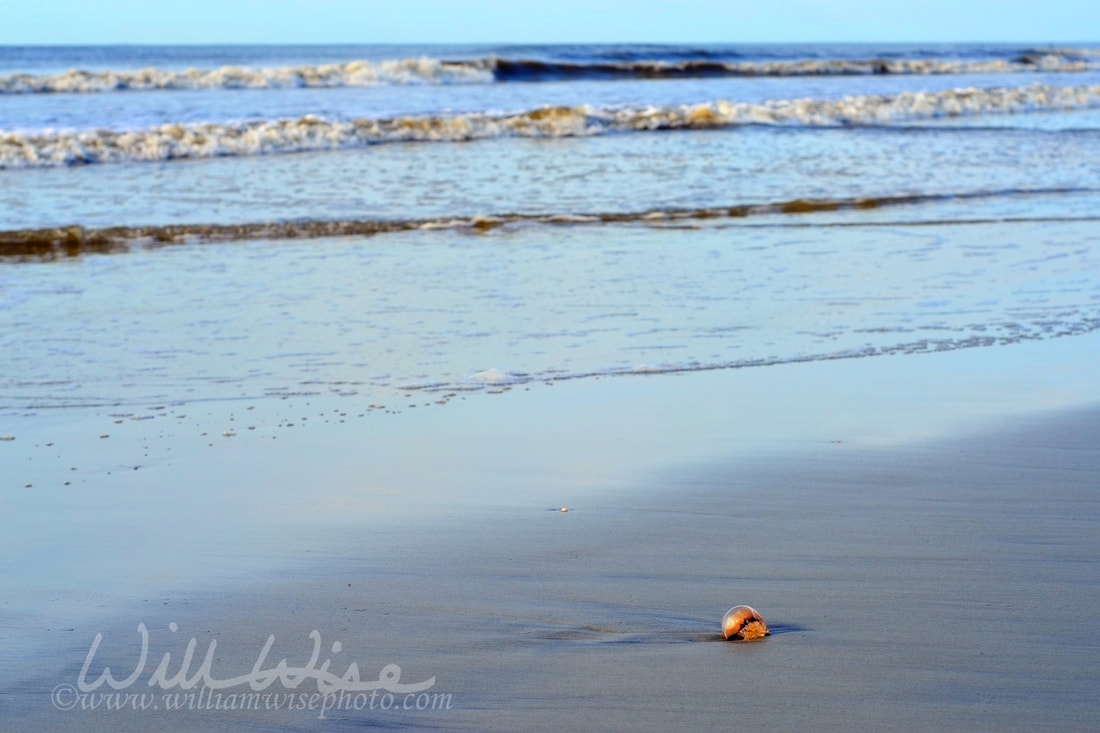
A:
x,y
494,377
352,74
486,70
170,142
1046,62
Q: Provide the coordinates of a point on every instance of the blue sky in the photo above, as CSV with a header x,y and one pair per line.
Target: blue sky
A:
x,y
543,21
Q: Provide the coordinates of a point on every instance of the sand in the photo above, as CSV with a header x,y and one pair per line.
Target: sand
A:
x,y
920,534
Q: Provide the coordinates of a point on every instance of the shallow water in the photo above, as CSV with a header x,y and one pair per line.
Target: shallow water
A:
x,y
447,311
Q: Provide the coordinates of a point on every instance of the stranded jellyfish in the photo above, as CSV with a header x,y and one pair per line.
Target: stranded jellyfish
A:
x,y
743,623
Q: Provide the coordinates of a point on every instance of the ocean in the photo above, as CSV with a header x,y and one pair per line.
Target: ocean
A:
x,y
198,223
516,366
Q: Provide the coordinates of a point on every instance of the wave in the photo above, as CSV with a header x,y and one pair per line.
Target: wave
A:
x,y
352,74
1004,334
76,240
534,70
311,133
495,69
1069,53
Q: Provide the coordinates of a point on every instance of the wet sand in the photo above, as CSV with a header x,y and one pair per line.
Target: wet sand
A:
x,y
920,534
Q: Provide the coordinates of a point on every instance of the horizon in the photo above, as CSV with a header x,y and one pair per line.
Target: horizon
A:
x,y
1015,42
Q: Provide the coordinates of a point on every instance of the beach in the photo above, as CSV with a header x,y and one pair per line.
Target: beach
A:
x,y
467,387
923,561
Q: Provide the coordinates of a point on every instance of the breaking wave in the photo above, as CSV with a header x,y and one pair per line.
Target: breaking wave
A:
x,y
352,74
311,133
76,240
531,70
494,69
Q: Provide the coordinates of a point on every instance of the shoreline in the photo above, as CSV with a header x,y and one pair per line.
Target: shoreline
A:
x,y
850,532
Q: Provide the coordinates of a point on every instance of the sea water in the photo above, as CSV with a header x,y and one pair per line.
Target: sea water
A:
x,y
208,223
223,269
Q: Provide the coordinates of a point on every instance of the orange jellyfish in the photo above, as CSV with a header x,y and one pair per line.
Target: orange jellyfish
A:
x,y
743,623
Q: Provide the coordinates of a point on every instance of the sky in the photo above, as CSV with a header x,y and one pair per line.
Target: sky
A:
x,y
543,21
